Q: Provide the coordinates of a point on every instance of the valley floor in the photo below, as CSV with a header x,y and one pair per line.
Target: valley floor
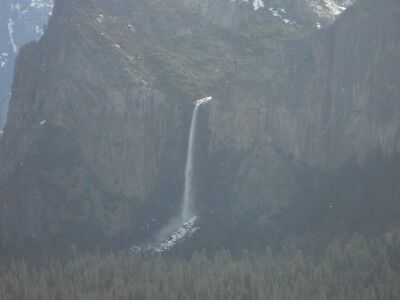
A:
x,y
357,268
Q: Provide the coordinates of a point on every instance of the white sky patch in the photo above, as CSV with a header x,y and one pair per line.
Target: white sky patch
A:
x,y
10,27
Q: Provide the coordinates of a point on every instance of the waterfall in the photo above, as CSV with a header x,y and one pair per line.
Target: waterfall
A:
x,y
182,225
188,191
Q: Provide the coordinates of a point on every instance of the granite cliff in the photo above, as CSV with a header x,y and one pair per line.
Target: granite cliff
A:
x,y
95,141
302,123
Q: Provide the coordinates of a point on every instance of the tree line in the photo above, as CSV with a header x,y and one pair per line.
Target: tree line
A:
x,y
357,268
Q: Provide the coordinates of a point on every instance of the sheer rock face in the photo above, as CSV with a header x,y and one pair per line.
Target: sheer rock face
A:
x,y
86,131
334,99
330,100
353,88
96,136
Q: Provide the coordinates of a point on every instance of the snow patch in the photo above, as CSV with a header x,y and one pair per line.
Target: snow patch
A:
x,y
333,7
39,30
100,19
41,4
10,28
279,13
3,59
15,6
328,8
257,4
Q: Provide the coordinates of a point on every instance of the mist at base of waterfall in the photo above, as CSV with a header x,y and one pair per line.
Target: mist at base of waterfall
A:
x,y
170,235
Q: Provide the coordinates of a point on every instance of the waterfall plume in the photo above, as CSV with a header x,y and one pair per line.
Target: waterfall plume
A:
x,y
188,190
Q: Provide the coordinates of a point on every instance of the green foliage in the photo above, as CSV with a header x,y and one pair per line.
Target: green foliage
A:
x,y
355,269
176,74
191,66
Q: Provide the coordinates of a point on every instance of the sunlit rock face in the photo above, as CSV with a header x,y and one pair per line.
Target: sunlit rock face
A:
x,y
21,21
